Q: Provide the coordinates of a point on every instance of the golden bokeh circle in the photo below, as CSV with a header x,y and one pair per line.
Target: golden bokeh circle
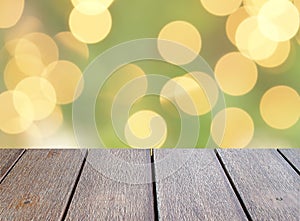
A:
x,y
253,6
29,64
67,80
41,94
221,8
184,34
195,93
48,126
236,74
279,56
39,45
251,42
233,21
280,107
145,129
10,12
16,112
278,20
90,28
12,74
232,128
297,4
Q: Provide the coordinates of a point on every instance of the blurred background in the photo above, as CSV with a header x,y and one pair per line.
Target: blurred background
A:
x,y
253,48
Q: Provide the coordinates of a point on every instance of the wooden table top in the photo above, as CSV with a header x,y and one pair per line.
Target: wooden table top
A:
x,y
179,184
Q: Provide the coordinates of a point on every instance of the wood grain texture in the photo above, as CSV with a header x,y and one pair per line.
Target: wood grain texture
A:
x,y
269,187
7,158
105,197
198,190
39,185
293,155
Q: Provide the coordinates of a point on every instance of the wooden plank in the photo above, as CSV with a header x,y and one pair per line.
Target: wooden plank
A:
x,y
7,158
108,193
39,186
268,186
193,187
293,156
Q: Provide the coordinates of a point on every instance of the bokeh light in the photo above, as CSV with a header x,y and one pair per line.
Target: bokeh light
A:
x,y
48,126
233,22
67,80
184,34
39,45
278,57
16,112
235,74
232,128
278,20
13,75
41,94
90,28
194,93
10,12
251,42
253,6
280,107
221,8
29,64
146,129
297,4
253,46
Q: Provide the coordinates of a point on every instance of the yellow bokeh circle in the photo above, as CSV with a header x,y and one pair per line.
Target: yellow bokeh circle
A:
x,y
221,8
41,94
278,20
67,80
16,112
280,107
232,128
48,126
90,28
184,34
233,22
146,129
12,74
39,45
251,42
195,93
279,56
10,12
297,4
253,6
236,74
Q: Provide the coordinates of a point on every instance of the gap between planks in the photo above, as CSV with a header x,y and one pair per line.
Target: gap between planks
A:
x,y
10,167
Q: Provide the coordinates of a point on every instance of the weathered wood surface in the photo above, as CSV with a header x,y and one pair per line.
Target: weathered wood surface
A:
x,y
8,158
293,155
39,186
190,185
107,192
198,190
268,185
